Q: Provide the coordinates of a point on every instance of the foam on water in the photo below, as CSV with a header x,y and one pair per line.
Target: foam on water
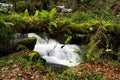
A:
x,y
53,53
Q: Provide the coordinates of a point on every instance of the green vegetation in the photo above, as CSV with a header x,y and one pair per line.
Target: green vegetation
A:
x,y
29,62
94,24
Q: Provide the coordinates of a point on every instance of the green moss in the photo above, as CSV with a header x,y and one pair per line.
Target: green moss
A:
x,y
35,56
83,28
28,42
21,47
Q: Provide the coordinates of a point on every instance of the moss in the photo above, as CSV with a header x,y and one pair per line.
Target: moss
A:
x,y
83,28
28,42
35,56
21,47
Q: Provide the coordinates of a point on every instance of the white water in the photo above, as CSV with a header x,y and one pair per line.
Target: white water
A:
x,y
53,53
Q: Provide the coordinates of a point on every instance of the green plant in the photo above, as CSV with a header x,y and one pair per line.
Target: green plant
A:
x,y
67,41
93,55
25,43
118,55
21,47
80,16
14,17
6,32
20,6
4,9
87,75
26,15
36,15
34,56
108,25
66,75
44,14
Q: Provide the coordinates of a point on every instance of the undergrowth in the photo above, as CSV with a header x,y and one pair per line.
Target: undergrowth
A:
x,y
29,69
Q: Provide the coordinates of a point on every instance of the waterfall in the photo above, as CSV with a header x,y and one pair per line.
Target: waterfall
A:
x,y
51,50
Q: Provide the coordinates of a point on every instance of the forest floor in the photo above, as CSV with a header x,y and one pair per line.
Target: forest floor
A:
x,y
20,69
110,69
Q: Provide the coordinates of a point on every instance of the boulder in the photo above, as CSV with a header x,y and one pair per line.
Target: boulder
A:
x,y
20,44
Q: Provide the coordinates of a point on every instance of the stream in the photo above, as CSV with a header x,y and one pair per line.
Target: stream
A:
x,y
54,52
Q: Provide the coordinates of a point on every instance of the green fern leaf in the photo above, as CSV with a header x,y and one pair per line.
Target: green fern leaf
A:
x,y
26,14
44,14
52,13
68,39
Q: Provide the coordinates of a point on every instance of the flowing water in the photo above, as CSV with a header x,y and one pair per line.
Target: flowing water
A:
x,y
53,51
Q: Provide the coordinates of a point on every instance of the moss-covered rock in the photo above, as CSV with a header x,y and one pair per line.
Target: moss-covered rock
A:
x,y
35,56
27,42
21,47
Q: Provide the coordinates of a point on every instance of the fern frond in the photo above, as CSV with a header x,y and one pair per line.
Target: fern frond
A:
x,y
52,13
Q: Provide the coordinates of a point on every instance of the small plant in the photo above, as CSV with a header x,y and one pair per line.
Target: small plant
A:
x,y
44,14
66,75
87,75
79,17
67,41
4,9
93,55
6,32
21,47
118,55
26,15
36,15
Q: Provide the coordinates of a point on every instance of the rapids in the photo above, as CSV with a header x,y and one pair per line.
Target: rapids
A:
x,y
53,52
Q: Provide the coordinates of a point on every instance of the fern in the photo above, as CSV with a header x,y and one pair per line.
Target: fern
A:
x,y
26,14
53,24
52,13
79,17
92,46
67,41
36,15
44,14
6,32
108,25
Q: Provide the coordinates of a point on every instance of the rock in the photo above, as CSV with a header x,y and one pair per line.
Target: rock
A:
x,y
22,44
21,47
26,43
35,56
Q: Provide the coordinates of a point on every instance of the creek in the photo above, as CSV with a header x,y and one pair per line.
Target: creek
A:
x,y
56,53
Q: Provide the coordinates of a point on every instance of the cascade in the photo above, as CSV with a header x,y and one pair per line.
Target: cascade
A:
x,y
54,53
